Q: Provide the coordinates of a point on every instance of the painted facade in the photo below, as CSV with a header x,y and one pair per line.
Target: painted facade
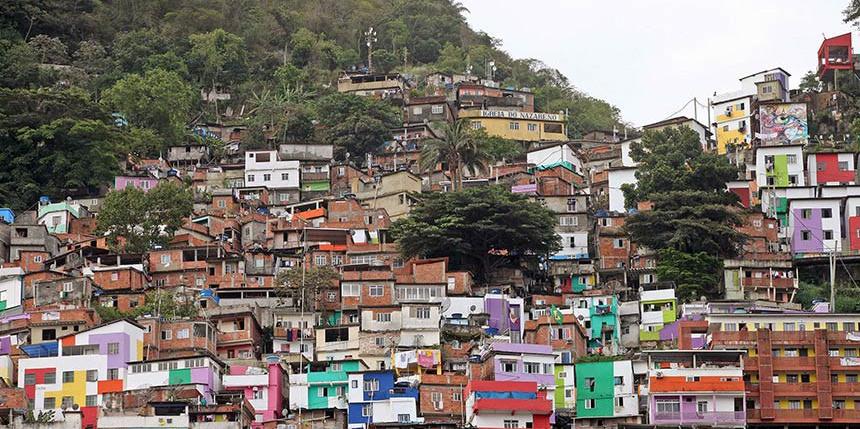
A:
x,y
604,390
522,126
783,123
507,404
779,166
203,372
264,388
377,397
658,309
815,225
832,168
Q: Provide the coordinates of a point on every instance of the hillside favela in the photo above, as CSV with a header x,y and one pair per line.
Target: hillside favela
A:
x,y
394,214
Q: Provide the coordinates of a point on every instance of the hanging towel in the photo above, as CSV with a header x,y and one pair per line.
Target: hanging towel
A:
x,y
425,358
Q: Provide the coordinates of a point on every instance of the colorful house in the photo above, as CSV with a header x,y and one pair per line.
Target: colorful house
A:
x,y
521,126
658,309
815,225
323,385
599,316
57,216
507,404
202,372
700,387
832,168
564,396
377,397
88,371
11,288
779,166
834,54
264,388
605,394
144,183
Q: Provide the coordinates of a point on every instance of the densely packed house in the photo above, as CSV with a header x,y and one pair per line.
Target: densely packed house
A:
x,y
596,339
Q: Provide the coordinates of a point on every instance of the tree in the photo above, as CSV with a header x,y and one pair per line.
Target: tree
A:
x,y
480,229
306,288
458,148
136,221
217,57
162,303
53,142
49,50
810,83
355,125
694,274
851,13
691,222
159,100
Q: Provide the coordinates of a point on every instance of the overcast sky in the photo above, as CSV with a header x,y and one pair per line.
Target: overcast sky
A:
x,y
649,58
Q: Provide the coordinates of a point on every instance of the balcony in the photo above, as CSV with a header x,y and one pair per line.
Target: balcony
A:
x,y
314,176
794,363
804,416
693,417
536,406
782,283
845,389
795,389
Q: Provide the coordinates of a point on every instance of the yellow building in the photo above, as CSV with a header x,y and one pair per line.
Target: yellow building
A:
x,y
732,122
522,126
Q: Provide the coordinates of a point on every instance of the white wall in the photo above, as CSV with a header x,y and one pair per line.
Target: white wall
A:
x,y
63,363
833,223
273,167
370,323
462,305
580,244
387,411
624,369
616,179
554,154
11,286
626,160
795,169
298,391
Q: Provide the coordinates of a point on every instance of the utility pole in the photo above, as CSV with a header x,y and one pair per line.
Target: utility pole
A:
x,y
833,281
370,39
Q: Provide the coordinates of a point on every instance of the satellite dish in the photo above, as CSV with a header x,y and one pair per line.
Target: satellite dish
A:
x,y
473,307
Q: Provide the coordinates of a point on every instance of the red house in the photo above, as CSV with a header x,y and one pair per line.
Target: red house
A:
x,y
831,168
835,53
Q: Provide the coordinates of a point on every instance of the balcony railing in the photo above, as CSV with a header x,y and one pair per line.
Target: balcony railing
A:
x,y
687,417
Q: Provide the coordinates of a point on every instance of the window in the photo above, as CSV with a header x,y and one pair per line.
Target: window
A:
x,y
848,326
350,289
793,404
267,177
514,125
833,352
850,378
383,317
839,404
377,290
568,221
791,158
511,424
788,326
806,213
417,110
457,396
532,368
619,401
702,407
113,348
791,378
805,235
367,410
337,260
619,381
589,383
92,400
165,259
532,127
49,378
250,178
668,406
476,125
331,296
68,376
509,365
850,352
371,385
285,176
437,109
403,418
827,213
770,181
589,404
618,243
92,375
113,374
828,234
320,260
553,128
843,165
167,334
380,341
49,403
832,326
422,312
792,179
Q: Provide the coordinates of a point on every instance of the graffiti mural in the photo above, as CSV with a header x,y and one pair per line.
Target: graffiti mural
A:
x,y
783,123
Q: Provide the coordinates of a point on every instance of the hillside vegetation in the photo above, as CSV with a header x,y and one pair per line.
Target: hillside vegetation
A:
x,y
85,83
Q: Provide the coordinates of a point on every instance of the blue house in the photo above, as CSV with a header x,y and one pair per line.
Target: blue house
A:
x,y
378,397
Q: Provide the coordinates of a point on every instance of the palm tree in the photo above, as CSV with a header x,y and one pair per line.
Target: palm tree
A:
x,y
458,149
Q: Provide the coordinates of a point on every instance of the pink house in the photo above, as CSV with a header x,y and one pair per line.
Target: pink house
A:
x,y
141,182
265,388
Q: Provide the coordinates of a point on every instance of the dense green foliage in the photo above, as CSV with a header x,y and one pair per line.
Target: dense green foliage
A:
x,y
149,61
136,221
480,229
164,304
691,224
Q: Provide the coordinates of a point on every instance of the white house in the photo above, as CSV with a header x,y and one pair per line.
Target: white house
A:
x,y
617,178
779,166
554,154
265,169
815,225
